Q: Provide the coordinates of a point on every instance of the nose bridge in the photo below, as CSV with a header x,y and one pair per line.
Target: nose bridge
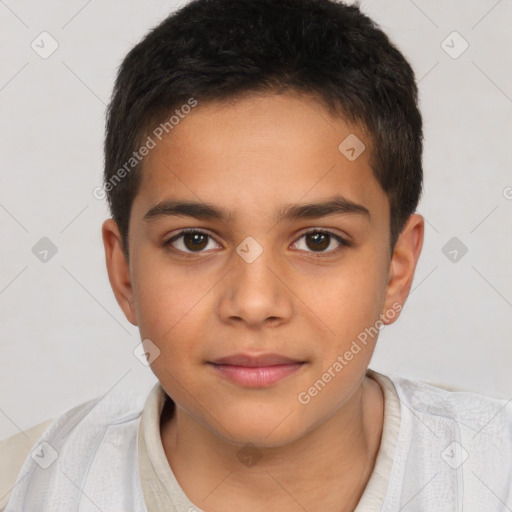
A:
x,y
253,265
254,292
253,262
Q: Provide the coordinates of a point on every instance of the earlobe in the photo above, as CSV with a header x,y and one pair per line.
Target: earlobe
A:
x,y
403,264
118,269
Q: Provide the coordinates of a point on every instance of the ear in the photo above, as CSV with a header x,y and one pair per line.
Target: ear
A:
x,y
402,266
118,269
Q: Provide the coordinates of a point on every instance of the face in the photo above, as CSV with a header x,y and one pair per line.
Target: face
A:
x,y
289,260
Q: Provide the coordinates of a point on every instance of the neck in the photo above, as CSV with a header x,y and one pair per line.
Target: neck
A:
x,y
327,469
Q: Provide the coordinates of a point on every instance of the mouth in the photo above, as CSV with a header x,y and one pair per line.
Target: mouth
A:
x,y
256,371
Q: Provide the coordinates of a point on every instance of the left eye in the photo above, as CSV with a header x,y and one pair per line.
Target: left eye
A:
x,y
319,241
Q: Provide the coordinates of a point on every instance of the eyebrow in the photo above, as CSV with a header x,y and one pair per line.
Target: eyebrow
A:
x,y
337,205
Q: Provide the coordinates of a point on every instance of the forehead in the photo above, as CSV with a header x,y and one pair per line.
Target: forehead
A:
x,y
256,152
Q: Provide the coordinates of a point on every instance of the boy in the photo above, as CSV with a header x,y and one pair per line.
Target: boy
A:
x,y
263,167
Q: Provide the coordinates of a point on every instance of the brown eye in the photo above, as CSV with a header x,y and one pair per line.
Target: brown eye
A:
x,y
189,241
195,241
319,241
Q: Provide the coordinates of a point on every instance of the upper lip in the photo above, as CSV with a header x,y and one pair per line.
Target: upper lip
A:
x,y
260,360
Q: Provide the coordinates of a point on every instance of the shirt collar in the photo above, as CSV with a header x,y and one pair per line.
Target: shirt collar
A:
x,y
163,492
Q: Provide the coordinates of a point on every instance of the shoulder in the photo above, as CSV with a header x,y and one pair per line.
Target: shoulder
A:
x,y
72,441
13,452
451,443
456,430
473,410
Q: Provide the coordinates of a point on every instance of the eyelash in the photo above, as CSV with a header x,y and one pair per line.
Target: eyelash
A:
x,y
343,242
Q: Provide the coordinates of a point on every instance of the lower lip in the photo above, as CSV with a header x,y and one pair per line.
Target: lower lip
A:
x,y
258,376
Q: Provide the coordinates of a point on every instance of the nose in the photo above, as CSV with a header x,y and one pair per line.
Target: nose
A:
x,y
255,293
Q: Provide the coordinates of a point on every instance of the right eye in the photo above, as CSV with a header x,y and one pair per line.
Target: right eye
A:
x,y
189,241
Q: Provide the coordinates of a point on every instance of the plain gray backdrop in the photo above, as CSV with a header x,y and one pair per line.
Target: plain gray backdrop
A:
x,y
64,339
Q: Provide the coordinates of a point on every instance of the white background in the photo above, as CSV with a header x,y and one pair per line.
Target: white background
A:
x,y
64,340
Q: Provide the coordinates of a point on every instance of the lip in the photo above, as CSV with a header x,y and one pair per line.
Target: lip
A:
x,y
256,371
269,359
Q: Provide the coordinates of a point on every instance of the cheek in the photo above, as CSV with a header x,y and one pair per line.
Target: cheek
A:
x,y
164,292
350,306
168,312
349,300
167,304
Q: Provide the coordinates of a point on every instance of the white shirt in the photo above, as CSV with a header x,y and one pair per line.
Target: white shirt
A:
x,y
440,450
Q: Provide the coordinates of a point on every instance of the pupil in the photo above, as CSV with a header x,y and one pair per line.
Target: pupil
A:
x,y
320,240
195,238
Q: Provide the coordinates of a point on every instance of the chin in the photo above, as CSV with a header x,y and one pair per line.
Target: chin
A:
x,y
268,431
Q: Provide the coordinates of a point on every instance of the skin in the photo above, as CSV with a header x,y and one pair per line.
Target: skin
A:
x,y
251,156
